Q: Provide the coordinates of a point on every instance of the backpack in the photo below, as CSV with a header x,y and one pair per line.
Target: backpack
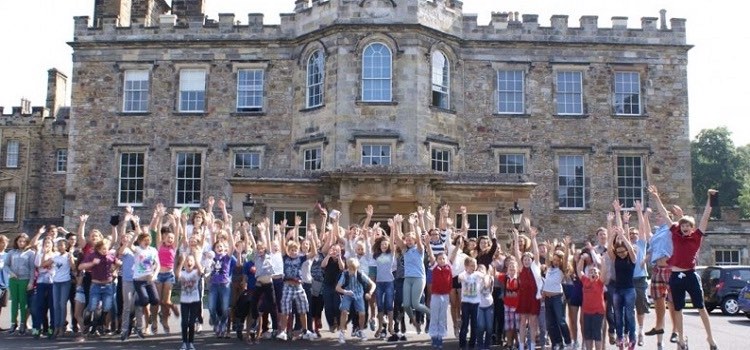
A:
x,y
360,278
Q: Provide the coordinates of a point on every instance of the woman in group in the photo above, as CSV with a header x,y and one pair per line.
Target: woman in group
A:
x,y
530,287
384,280
623,255
20,263
167,241
145,269
64,269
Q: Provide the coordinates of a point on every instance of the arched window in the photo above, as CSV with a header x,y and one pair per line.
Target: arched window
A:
x,y
376,73
315,73
440,80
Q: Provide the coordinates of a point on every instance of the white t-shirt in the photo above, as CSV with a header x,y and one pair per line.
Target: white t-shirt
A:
x,y
189,282
457,265
485,294
305,272
471,285
146,260
277,262
62,268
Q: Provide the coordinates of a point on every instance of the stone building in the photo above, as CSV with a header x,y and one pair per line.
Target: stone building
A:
x,y
391,103
727,241
33,160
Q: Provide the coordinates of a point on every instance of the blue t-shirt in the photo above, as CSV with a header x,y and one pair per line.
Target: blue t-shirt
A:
x,y
249,271
414,263
128,260
661,244
640,254
354,285
293,267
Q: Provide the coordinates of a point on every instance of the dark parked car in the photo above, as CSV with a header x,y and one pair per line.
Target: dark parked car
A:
x,y
722,286
744,300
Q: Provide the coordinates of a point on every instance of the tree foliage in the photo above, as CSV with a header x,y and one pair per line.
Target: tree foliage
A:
x,y
718,164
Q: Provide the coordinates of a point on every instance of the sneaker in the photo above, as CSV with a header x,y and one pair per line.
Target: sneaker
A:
x,y
139,332
361,335
392,338
35,333
372,324
631,345
673,338
268,335
342,337
640,339
307,335
402,337
183,346
198,328
22,329
191,346
317,334
281,336
456,330
659,346
13,329
123,336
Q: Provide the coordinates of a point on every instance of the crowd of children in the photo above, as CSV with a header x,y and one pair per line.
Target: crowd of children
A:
x,y
266,281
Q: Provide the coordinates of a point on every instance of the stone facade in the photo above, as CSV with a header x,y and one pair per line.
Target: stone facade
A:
x,y
34,142
727,241
470,129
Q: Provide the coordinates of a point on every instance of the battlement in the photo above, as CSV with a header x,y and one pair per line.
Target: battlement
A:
x,y
442,15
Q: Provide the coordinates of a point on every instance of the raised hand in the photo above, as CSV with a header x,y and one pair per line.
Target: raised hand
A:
x,y
653,190
222,204
462,209
677,211
449,221
412,219
533,232
398,219
638,206
616,205
369,210
391,223
297,221
211,201
610,216
83,218
420,211
625,216
493,229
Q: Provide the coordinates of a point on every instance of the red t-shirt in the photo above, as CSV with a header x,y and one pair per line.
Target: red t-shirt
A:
x,y
685,252
593,296
442,279
511,289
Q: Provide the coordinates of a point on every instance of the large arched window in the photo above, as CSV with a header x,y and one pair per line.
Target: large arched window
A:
x,y
315,73
376,73
440,80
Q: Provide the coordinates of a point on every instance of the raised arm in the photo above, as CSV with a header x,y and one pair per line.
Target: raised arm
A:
x,y
35,240
395,232
644,231
579,268
443,214
516,248
618,212
81,229
534,246
659,205
369,210
703,224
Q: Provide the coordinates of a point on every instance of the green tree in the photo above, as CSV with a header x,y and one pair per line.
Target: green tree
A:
x,y
744,198
717,164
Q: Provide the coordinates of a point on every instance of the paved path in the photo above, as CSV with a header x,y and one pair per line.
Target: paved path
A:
x,y
730,333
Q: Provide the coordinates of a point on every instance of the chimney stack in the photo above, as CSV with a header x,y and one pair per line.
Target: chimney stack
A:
x,y
117,9
147,12
188,11
57,90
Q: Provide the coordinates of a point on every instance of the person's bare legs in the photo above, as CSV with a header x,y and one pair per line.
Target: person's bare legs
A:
x,y
573,322
524,318
706,325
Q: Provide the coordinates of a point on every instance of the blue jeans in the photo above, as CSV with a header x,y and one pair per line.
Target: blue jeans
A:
x,y
413,292
145,293
468,316
101,292
624,303
218,303
384,296
331,303
557,327
42,303
60,294
485,319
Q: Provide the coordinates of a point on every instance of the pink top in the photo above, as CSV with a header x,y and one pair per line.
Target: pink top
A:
x,y
166,257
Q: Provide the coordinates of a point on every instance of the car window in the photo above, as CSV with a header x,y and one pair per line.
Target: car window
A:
x,y
743,275
714,274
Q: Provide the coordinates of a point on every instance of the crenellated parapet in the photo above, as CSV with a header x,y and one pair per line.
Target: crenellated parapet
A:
x,y
187,22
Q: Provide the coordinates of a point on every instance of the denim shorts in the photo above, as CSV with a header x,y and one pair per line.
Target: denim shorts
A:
x,y
347,301
80,295
592,326
165,277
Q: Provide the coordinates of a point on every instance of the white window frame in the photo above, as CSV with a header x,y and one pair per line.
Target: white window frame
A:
x,y
507,79
135,83
566,94
241,154
635,177
446,161
314,163
61,160
566,169
250,89
441,82
12,151
474,229
289,214
192,179
315,79
128,173
727,253
368,59
371,146
9,207
193,83
624,88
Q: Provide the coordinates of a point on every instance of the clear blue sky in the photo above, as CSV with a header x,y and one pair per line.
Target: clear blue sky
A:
x,y
35,32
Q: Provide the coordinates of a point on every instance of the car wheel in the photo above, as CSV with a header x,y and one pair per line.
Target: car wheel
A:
x,y
730,306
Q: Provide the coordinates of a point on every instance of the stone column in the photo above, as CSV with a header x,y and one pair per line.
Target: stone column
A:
x,y
344,217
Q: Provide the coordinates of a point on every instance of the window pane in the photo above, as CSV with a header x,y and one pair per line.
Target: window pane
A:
x,y
131,178
9,206
61,160
192,90
569,92
376,73
441,160
135,91
11,154
512,163
627,97
510,91
629,180
315,73
250,90
440,80
312,159
289,215
376,154
571,182
188,179
247,160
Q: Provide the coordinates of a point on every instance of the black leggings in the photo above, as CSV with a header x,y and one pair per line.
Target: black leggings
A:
x,y
145,293
189,313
